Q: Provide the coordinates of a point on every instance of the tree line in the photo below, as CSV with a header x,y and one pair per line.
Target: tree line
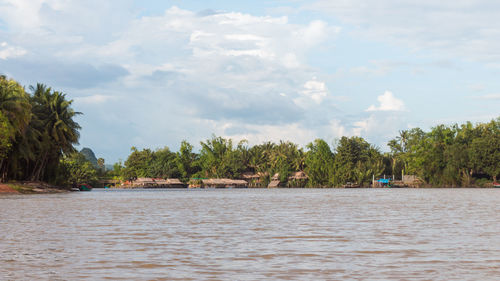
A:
x,y
38,135
456,155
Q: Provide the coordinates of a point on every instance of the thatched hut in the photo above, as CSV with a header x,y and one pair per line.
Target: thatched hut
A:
x,y
169,183
297,179
273,184
224,183
158,183
143,182
255,179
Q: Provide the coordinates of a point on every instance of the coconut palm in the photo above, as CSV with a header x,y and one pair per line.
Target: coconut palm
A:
x,y
14,104
16,109
59,130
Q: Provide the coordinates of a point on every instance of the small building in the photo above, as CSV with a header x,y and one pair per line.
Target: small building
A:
x,y
255,179
274,184
158,183
169,183
143,182
223,183
275,181
297,179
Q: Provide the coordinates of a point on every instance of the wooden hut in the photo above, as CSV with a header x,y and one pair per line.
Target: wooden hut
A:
x,y
224,183
143,182
169,183
297,179
275,181
255,179
273,184
157,183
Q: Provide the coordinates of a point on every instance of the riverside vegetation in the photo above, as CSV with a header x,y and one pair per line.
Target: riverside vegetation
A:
x,y
38,134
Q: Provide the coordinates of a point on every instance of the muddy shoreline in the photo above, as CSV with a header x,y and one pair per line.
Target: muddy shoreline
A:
x,y
30,187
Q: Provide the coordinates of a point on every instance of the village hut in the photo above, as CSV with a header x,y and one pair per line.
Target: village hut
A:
x,y
224,183
175,183
297,179
275,181
169,183
143,182
250,176
254,179
273,184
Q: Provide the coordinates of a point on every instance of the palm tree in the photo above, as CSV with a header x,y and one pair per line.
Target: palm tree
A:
x,y
15,106
59,130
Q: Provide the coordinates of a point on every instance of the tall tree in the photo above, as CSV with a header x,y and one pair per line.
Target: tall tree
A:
x,y
319,164
60,132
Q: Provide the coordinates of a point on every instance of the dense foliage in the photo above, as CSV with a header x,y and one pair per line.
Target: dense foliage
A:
x,y
36,130
457,155
449,155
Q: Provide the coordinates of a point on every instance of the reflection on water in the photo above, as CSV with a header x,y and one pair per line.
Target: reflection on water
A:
x,y
289,234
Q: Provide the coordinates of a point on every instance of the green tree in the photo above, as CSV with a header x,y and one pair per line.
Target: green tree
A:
x,y
75,169
485,150
16,115
164,164
319,164
216,157
187,161
60,132
138,164
7,134
100,164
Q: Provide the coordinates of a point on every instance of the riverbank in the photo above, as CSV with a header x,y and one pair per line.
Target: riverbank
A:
x,y
30,188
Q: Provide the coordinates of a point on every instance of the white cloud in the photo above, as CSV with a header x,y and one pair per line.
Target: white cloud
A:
x,y
387,103
93,99
7,51
259,134
313,90
463,28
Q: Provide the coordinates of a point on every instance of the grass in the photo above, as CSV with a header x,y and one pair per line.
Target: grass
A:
x,y
21,188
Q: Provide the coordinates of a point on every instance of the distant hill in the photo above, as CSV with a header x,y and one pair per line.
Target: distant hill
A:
x,y
89,155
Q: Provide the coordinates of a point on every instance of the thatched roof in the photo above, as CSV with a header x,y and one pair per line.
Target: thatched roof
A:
x,y
251,176
274,183
151,181
224,182
174,181
144,181
161,181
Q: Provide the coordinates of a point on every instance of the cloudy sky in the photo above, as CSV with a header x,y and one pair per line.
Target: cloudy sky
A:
x,y
152,73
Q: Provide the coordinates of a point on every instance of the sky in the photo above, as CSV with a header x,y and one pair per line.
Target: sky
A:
x,y
150,74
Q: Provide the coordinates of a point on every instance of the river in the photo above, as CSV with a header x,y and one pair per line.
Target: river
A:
x,y
252,234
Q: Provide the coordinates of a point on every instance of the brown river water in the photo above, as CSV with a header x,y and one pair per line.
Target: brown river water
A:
x,y
252,234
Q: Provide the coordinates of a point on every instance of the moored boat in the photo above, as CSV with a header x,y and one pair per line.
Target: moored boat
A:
x,y
85,187
496,184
